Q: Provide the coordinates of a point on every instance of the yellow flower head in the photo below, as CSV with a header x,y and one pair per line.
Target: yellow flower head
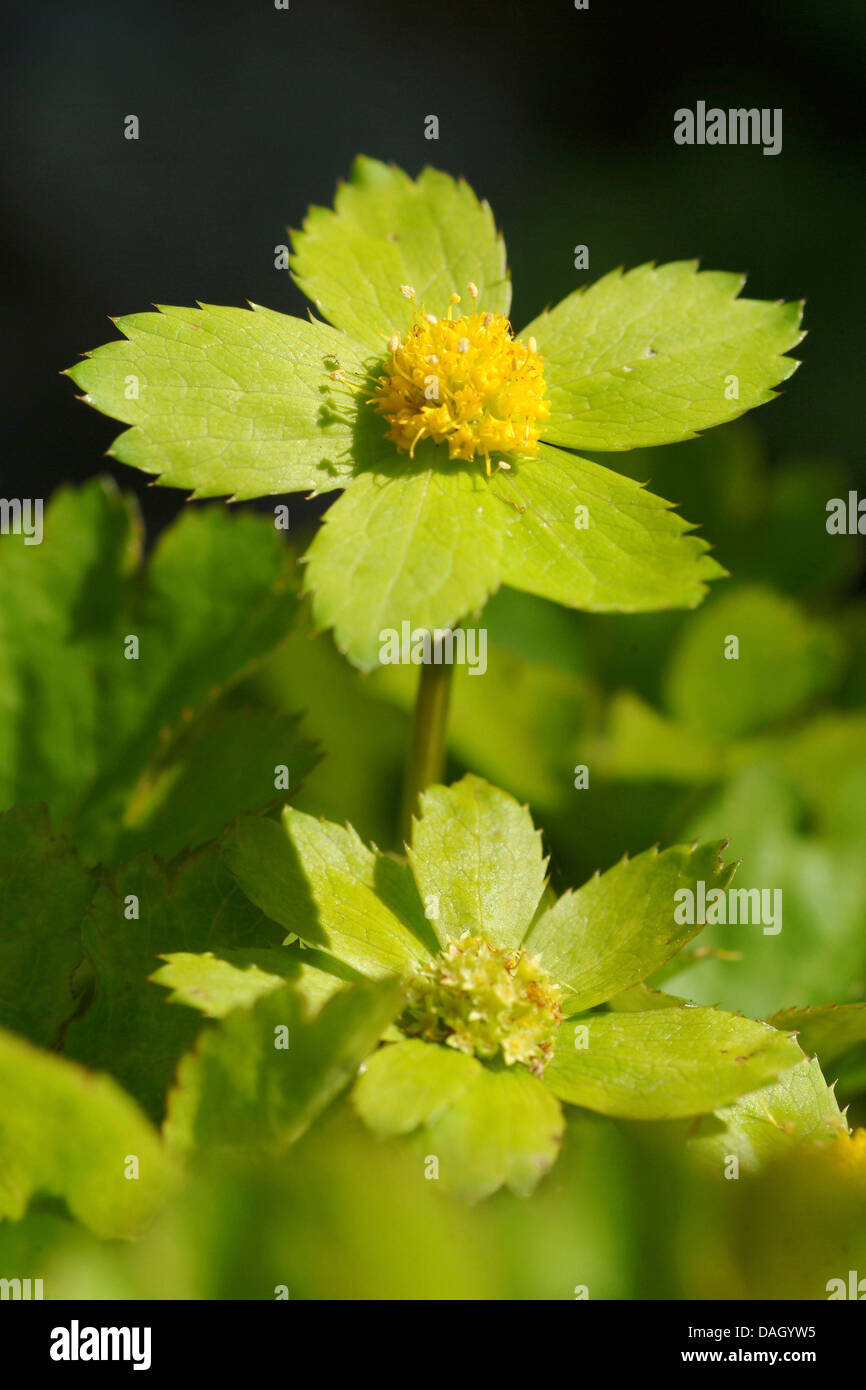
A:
x,y
465,382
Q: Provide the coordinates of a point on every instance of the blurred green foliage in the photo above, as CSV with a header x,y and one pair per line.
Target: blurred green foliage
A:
x,y
768,750
344,1216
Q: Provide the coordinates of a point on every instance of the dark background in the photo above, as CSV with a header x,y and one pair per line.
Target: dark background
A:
x,y
562,119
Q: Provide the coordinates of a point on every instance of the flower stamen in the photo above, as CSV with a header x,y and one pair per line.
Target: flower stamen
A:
x,y
464,381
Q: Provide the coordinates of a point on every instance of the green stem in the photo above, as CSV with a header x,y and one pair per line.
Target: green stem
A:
x,y
427,754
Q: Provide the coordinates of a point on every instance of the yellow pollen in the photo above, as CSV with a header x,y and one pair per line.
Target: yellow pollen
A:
x,y
465,381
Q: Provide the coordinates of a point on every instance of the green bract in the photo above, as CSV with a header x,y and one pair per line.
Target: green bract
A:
x,y
477,876
247,402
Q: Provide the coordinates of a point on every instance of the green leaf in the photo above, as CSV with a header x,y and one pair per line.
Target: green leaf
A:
x,y
476,852
355,781
421,546
620,926
826,761
407,1084
634,554
60,597
643,996
320,882
504,1131
93,728
827,1031
661,1064
262,1076
819,952
642,744
647,357
128,1028
514,724
387,230
800,1106
225,767
784,659
69,1134
45,893
215,985
684,959
237,402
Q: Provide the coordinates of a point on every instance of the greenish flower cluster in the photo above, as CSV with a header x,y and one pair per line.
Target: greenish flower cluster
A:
x,y
485,1000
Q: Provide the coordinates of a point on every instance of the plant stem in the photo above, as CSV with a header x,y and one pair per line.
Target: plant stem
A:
x,y
427,755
